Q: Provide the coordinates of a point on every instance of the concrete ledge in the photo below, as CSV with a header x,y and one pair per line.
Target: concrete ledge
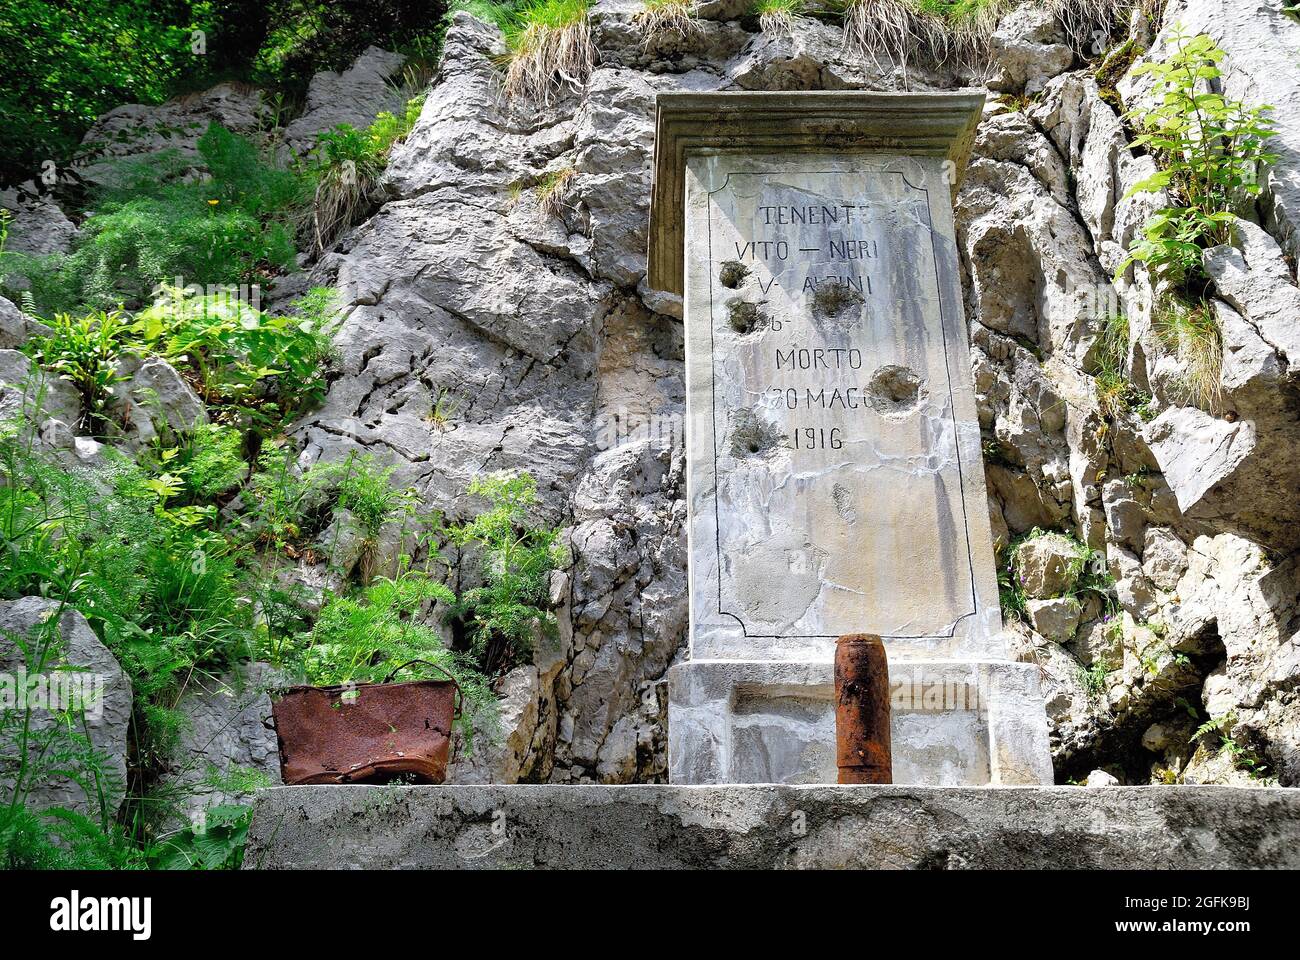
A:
x,y
765,826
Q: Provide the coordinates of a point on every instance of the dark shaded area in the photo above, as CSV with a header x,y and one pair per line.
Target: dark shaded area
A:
x,y
69,61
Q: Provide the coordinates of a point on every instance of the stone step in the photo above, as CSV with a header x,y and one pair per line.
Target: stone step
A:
x,y
762,826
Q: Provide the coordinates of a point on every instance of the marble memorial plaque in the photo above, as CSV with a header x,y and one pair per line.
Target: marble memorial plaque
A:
x,y
829,419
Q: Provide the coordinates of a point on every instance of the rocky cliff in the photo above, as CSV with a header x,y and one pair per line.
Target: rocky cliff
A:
x,y
503,279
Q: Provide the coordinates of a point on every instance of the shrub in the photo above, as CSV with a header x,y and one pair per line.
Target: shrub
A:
x,y
1209,149
166,598
348,165
270,368
150,227
84,351
503,616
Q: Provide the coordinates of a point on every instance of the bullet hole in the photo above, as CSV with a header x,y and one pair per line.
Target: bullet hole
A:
x,y
752,436
732,274
833,298
843,499
745,317
894,390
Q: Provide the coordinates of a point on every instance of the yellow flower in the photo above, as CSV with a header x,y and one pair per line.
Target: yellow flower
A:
x,y
213,203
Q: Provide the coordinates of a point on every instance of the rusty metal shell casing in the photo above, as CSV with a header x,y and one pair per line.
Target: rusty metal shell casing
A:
x,y
862,740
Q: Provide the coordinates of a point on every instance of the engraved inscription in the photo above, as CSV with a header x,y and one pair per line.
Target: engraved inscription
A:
x,y
832,409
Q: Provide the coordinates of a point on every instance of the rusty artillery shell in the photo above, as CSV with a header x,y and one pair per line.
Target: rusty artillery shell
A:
x,y
862,742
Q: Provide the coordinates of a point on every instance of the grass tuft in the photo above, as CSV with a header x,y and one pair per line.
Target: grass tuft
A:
x,y
778,16
668,18
1192,333
553,191
941,30
550,50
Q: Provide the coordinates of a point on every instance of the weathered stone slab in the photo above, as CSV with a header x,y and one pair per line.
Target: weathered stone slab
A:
x,y
767,827
834,449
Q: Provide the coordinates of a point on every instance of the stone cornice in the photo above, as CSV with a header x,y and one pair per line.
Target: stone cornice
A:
x,y
913,124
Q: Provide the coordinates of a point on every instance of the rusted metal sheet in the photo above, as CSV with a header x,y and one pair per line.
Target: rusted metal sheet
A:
x,y
368,733
862,740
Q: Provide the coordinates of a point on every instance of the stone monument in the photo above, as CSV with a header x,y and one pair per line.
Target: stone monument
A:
x,y
835,477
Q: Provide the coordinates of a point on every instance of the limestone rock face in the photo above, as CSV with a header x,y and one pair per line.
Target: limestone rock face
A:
x,y
1029,47
28,391
354,96
1181,495
1047,565
108,706
1055,619
228,731
39,226
17,327
153,399
140,132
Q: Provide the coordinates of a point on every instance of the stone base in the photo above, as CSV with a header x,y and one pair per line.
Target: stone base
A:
x,y
955,723
762,827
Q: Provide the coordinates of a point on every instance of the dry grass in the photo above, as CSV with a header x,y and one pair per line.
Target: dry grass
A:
x,y
668,18
1083,18
553,191
778,16
551,51
344,194
959,32
902,30
1192,333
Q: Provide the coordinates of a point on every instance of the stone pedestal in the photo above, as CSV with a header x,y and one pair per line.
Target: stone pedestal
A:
x,y
835,476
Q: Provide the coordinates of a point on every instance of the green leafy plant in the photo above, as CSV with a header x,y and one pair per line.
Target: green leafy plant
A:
x,y
505,615
218,844
84,351
204,464
1209,149
367,637
366,492
61,839
1094,677
266,367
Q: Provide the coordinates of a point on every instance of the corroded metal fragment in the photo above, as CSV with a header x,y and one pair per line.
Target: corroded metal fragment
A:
x,y
862,743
